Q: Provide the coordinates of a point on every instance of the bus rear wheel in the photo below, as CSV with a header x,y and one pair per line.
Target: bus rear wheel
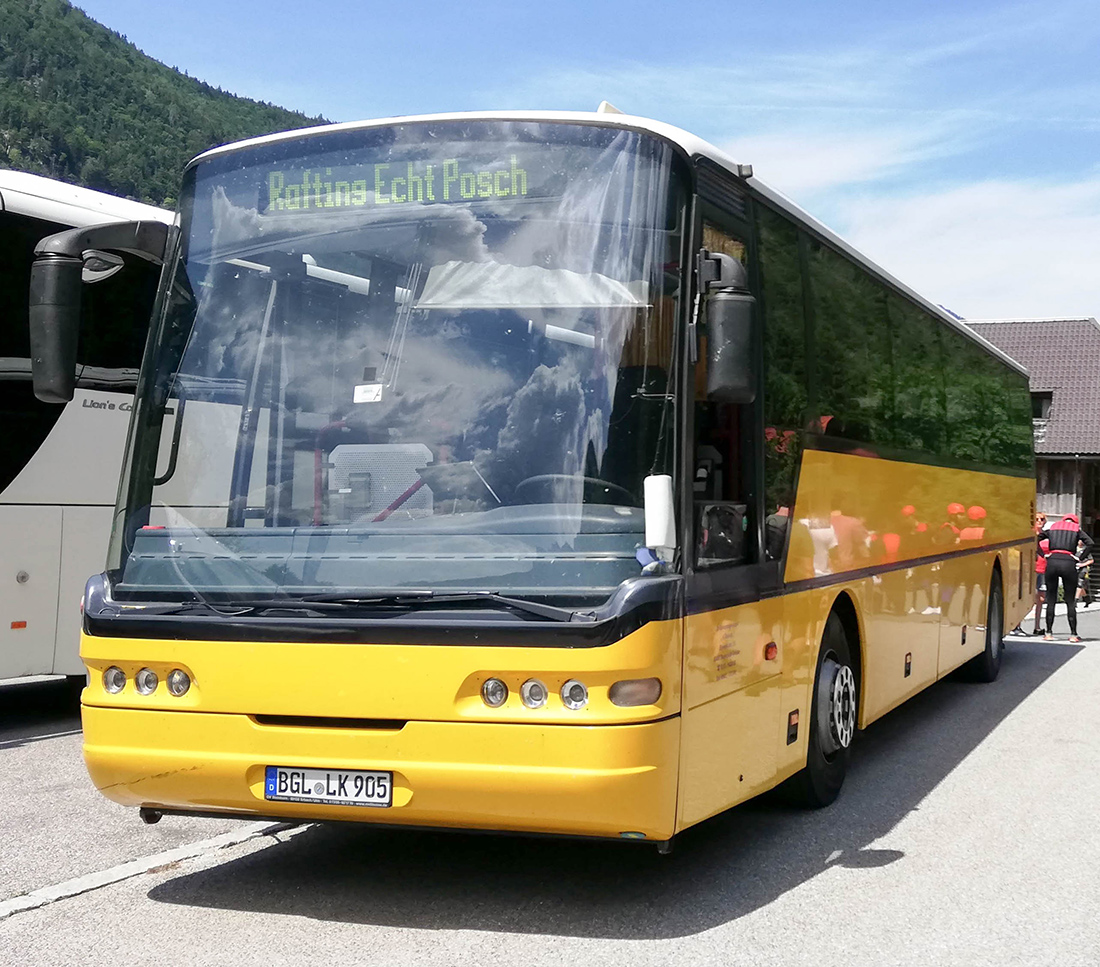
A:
x,y
833,716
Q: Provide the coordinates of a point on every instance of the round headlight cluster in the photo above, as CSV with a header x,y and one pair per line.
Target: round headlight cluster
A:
x,y
146,681
574,695
114,680
178,682
534,694
494,692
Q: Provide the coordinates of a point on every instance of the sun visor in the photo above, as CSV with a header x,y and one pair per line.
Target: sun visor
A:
x,y
495,285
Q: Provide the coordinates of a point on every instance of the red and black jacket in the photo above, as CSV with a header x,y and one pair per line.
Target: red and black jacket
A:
x,y
1064,536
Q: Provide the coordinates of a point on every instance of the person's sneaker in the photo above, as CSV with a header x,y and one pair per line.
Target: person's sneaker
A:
x,y
1048,637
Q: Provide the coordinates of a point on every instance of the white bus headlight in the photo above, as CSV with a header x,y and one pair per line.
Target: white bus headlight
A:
x,y
574,695
146,681
178,681
533,693
114,680
494,692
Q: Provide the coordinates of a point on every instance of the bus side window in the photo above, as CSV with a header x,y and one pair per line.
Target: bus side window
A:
x,y
723,528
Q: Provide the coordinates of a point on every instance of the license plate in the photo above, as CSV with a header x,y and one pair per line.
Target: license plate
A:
x,y
334,787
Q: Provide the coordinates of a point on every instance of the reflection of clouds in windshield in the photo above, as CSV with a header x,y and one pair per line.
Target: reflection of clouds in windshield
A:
x,y
547,430
231,316
442,389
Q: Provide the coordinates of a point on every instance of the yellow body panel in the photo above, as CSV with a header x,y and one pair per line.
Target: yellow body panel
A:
x,y
717,735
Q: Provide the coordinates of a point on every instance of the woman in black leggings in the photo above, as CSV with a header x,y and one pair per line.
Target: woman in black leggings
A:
x,y
1064,537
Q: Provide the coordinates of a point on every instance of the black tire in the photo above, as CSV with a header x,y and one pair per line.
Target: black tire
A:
x,y
986,666
833,720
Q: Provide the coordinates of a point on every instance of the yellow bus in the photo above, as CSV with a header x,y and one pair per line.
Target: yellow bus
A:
x,y
531,472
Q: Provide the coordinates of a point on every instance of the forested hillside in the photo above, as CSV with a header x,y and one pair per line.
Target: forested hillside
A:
x,y
80,103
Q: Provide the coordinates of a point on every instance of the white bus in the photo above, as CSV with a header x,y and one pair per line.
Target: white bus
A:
x,y
59,466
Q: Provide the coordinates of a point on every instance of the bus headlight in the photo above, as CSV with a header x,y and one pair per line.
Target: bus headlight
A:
x,y
114,680
635,691
146,681
494,692
574,695
533,693
178,681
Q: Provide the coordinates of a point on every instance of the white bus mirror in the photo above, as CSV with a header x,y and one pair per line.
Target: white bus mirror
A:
x,y
660,515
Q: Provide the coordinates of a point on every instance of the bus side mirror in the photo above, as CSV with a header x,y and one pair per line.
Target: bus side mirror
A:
x,y
61,262
54,326
731,375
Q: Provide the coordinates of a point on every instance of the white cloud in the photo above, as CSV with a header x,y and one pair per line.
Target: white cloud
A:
x,y
993,249
805,160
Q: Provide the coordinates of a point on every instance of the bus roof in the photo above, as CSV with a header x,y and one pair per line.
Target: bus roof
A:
x,y
690,144
56,201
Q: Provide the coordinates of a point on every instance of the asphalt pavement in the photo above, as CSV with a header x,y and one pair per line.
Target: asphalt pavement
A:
x,y
965,834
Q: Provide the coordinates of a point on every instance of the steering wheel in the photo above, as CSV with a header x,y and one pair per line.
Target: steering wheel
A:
x,y
545,479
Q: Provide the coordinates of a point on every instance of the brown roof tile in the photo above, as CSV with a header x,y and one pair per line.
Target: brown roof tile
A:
x,y
1062,357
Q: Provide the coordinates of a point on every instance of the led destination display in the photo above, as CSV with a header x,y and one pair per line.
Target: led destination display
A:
x,y
411,182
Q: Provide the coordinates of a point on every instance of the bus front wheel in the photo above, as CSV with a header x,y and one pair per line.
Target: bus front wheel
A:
x,y
832,722
986,666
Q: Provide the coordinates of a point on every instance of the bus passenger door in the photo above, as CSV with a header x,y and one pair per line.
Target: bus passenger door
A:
x,y
731,690
30,553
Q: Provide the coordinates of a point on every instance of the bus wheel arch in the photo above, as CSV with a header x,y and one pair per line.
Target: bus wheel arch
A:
x,y
834,709
844,607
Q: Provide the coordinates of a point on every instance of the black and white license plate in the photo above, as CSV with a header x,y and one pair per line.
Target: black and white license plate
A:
x,y
334,787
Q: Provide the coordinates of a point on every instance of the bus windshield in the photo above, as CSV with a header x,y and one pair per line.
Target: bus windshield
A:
x,y
434,355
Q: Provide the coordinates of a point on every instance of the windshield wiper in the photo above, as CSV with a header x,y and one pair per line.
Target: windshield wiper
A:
x,y
315,605
412,596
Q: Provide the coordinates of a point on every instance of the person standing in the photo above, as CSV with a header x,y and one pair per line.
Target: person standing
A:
x,y
1041,548
1063,538
1084,587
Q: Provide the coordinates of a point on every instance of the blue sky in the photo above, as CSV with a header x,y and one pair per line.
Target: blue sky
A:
x,y
958,145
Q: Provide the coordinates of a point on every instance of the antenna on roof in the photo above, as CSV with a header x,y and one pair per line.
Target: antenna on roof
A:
x,y
606,107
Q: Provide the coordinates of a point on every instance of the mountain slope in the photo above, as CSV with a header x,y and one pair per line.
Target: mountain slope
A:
x,y
80,103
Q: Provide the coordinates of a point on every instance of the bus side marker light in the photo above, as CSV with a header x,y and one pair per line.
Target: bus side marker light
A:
x,y
792,727
494,692
17,625
635,691
146,681
114,680
771,651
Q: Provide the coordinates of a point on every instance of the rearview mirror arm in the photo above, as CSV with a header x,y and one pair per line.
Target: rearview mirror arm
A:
x,y
145,239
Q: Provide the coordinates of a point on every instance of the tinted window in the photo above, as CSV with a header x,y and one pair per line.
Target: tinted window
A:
x,y
988,414
919,417
785,403
851,348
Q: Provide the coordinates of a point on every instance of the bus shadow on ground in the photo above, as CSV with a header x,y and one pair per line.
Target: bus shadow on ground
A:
x,y
30,711
720,870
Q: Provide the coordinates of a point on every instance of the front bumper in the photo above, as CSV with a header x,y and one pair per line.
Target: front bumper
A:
x,y
600,780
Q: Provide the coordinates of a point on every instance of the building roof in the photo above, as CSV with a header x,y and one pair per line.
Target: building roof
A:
x,y
1062,357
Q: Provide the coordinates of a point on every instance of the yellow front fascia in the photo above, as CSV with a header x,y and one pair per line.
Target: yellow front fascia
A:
x,y
601,770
